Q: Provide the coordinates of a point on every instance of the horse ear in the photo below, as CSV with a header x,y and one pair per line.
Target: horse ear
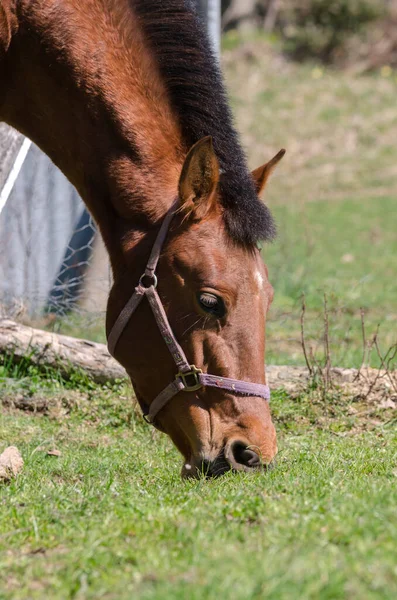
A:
x,y
262,174
199,179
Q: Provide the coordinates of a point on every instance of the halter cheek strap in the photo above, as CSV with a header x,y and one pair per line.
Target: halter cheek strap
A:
x,y
188,378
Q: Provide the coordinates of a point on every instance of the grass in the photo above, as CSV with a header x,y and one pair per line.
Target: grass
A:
x,y
110,517
334,264
333,196
31,377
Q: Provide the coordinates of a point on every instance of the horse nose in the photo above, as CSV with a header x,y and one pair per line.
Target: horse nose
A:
x,y
241,457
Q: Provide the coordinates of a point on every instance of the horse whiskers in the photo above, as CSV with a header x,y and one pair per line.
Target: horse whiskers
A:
x,y
187,316
205,322
191,326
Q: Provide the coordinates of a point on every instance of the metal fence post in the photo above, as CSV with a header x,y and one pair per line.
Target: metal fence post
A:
x,y
211,13
13,150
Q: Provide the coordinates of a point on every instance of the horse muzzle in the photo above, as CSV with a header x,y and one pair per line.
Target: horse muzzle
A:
x,y
236,456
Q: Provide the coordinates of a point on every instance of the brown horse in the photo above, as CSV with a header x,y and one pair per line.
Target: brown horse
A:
x,y
127,100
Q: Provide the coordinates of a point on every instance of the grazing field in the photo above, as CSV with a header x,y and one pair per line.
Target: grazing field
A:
x,y
110,518
334,196
107,516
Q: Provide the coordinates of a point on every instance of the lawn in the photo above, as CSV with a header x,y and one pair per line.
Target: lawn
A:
x,y
110,517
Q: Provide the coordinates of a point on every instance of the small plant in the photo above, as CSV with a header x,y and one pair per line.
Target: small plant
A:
x,y
367,380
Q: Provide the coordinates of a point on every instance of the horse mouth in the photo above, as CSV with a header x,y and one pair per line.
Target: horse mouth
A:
x,y
209,469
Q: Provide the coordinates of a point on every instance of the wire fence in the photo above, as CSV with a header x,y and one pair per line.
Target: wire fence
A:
x,y
52,261
54,270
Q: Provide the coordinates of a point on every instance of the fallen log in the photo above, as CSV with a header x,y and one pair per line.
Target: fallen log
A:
x,y
67,354
61,352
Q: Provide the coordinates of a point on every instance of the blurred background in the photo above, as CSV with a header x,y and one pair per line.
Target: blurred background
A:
x,y
318,77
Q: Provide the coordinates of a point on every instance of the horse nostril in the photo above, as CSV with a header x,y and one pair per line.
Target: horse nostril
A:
x,y
241,457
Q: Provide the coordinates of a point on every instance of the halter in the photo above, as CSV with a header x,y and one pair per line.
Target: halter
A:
x,y
189,378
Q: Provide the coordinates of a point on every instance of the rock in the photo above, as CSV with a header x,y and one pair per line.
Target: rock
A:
x,y
11,463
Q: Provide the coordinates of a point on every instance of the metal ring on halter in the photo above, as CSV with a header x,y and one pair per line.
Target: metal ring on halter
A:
x,y
152,277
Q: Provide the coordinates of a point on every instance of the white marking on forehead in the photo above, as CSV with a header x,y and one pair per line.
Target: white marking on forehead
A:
x,y
259,279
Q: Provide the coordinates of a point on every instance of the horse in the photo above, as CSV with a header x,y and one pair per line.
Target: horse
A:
x,y
127,99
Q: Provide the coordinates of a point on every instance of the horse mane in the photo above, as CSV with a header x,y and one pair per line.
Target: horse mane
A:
x,y
193,79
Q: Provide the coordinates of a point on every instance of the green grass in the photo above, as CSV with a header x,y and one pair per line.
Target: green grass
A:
x,y
110,518
328,257
333,196
30,377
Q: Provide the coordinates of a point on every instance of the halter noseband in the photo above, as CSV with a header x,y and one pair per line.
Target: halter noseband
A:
x,y
188,378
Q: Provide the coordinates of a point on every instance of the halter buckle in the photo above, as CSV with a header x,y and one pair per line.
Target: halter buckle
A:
x,y
151,280
190,379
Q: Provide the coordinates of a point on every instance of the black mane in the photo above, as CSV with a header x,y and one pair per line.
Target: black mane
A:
x,y
194,82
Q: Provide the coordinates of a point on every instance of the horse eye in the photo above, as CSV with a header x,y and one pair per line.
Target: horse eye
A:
x,y
212,304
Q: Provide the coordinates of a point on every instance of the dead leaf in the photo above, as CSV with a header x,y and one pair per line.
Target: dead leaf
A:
x,y
11,463
54,452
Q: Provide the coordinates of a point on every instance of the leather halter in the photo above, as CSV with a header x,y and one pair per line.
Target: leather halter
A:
x,y
189,378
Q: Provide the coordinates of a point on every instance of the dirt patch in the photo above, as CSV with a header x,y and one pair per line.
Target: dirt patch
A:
x,y
51,404
377,387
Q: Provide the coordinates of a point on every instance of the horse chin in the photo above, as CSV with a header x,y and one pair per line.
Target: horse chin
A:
x,y
196,469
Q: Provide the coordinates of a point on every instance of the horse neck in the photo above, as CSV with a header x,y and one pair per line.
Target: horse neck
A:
x,y
95,104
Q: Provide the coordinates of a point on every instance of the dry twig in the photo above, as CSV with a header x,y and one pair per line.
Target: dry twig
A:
x,y
303,341
327,353
363,361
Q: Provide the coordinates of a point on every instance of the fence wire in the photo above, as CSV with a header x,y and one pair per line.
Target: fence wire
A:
x,y
53,266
